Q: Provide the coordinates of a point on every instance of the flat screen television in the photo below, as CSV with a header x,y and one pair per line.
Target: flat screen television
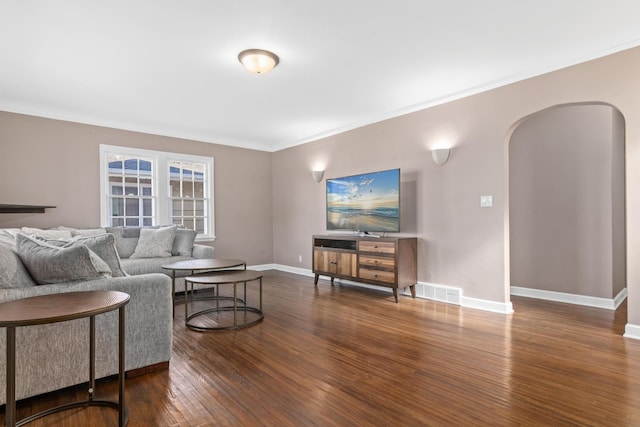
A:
x,y
365,202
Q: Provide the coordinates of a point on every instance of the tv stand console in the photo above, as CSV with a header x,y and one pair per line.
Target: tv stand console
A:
x,y
382,261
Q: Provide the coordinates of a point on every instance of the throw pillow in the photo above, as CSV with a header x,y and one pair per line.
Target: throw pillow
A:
x,y
155,242
127,238
103,245
47,234
129,232
125,245
183,243
12,273
51,264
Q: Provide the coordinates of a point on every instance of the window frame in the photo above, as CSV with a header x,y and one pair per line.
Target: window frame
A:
x,y
139,195
161,191
184,202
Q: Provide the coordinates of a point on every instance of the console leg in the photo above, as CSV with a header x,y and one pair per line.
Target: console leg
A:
x,y
332,280
395,294
413,291
315,282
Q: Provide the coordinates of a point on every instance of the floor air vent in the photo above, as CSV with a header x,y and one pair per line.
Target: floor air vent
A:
x,y
438,293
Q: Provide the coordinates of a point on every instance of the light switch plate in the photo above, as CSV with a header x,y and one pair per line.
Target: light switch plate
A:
x,y
486,201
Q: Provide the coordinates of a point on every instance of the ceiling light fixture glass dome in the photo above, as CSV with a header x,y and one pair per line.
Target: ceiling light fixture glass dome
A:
x,y
258,61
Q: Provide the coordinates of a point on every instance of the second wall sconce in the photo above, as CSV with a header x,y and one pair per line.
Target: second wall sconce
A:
x,y
317,175
440,155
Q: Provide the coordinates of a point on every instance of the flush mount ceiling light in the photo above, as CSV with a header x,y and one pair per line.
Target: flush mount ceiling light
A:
x,y
258,61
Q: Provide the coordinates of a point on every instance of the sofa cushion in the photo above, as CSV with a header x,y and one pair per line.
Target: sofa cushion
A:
x,y
155,242
135,266
54,233
86,232
183,242
52,264
103,245
13,274
95,231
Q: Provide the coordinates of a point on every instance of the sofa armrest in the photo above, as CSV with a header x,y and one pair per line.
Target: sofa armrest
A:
x,y
203,251
127,284
63,347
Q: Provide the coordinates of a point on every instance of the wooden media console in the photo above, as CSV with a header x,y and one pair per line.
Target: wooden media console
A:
x,y
382,261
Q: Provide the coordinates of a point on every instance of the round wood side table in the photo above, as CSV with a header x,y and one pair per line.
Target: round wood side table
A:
x,y
62,307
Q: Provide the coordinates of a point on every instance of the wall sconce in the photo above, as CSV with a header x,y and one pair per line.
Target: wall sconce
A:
x,y
317,175
258,61
440,155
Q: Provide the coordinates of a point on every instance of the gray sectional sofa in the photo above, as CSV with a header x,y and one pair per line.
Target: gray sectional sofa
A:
x,y
54,356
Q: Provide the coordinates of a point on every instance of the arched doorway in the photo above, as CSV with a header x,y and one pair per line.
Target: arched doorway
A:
x,y
567,205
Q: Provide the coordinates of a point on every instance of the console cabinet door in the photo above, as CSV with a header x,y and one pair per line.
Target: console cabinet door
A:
x,y
345,264
334,263
321,261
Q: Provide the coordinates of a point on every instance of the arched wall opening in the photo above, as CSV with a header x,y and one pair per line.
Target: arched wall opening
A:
x,y
566,205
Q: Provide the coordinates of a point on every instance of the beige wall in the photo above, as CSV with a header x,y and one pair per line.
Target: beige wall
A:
x,y
461,244
52,162
562,202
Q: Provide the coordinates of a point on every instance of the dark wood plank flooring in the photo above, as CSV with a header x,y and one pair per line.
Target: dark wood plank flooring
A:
x,y
350,356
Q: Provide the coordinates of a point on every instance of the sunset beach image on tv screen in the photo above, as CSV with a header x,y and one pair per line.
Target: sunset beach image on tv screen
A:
x,y
365,202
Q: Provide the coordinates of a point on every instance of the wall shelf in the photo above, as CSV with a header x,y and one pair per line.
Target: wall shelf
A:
x,y
23,208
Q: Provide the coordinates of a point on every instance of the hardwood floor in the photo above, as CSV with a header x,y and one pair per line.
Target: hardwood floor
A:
x,y
350,356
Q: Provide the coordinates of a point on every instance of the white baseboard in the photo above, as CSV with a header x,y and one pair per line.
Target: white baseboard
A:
x,y
606,303
632,331
280,267
619,299
487,305
262,267
454,295
431,291
436,292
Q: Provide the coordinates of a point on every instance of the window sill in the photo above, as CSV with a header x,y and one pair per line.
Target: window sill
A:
x,y
204,239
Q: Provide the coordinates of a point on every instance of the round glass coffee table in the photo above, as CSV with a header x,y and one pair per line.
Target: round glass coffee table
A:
x,y
200,266
229,277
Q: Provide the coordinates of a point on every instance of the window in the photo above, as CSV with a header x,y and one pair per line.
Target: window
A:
x,y
144,187
130,192
188,201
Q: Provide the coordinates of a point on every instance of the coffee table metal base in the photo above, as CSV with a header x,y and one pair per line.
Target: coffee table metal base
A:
x,y
201,295
235,326
233,277
199,265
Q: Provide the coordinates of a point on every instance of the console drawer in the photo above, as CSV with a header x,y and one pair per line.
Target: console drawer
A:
x,y
377,247
378,275
377,261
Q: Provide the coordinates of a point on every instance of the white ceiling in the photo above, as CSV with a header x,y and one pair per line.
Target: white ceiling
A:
x,y
170,67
